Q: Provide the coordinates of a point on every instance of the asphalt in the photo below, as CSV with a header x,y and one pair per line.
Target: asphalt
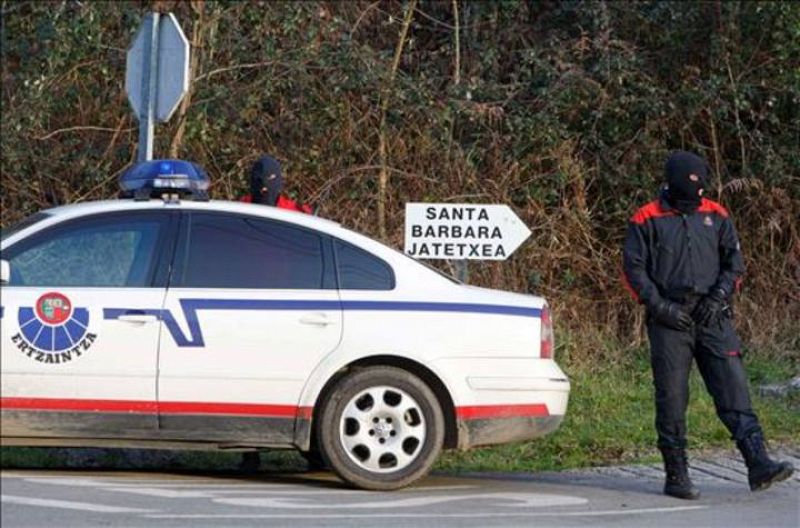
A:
x,y
627,496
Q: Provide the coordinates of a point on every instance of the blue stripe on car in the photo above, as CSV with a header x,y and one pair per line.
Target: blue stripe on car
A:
x,y
190,308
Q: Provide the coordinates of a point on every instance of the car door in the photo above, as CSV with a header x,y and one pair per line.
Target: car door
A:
x,y
252,310
80,326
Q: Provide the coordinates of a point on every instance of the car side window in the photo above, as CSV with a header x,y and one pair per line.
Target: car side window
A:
x,y
361,270
102,251
228,251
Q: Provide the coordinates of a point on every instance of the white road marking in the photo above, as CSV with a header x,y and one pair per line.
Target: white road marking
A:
x,y
168,493
192,486
232,487
332,491
270,487
69,505
212,492
118,478
164,493
516,500
96,483
396,515
432,488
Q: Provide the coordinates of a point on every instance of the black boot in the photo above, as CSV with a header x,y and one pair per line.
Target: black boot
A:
x,y
761,470
678,483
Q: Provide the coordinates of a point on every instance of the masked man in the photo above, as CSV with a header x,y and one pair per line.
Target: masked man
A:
x,y
682,261
266,186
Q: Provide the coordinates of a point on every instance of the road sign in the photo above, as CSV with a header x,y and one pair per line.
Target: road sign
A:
x,y
462,231
157,74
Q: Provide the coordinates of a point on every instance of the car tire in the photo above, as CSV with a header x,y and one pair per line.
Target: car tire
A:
x,y
381,428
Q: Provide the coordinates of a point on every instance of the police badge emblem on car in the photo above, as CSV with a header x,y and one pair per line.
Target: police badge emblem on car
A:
x,y
53,331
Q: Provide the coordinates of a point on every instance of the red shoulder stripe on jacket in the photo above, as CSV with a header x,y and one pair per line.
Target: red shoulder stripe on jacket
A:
x,y
651,210
710,206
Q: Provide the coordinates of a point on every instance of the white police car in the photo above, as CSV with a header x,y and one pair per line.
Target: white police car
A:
x,y
223,325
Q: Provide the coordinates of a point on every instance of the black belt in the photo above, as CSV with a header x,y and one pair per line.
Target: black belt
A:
x,y
686,299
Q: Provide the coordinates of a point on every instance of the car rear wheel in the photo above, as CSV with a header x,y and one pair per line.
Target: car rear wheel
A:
x,y
381,428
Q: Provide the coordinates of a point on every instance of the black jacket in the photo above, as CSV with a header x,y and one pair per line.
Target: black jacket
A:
x,y
674,256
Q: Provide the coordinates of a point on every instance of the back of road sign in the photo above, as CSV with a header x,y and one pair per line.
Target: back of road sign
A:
x,y
172,73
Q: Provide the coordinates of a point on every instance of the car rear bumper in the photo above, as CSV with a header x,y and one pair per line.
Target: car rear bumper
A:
x,y
490,422
488,431
501,400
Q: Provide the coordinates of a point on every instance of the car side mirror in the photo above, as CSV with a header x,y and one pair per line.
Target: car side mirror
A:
x,y
5,271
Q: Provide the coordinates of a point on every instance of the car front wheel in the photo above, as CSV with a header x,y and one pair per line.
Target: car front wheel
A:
x,y
381,428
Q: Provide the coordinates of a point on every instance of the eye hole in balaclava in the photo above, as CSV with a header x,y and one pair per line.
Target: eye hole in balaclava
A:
x,y
687,176
266,181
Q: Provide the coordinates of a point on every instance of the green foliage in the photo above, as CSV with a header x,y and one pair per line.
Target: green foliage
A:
x,y
566,110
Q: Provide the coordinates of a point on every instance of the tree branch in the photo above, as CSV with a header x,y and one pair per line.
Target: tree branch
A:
x,y
457,36
197,35
77,128
383,178
249,65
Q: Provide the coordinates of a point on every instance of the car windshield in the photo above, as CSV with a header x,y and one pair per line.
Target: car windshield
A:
x,y
22,224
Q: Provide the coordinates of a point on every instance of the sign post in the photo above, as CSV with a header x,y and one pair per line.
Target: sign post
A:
x,y
462,232
156,75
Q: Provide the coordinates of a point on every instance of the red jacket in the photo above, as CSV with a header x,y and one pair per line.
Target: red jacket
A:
x,y
284,203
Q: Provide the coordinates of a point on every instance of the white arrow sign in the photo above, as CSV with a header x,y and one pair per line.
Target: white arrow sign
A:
x,y
462,231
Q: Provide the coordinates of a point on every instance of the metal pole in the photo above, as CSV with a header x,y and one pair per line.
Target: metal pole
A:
x,y
149,83
462,270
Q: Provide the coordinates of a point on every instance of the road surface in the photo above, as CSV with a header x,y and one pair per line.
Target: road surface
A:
x,y
627,496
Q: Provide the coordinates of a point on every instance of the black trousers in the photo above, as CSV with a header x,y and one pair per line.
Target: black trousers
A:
x,y
717,351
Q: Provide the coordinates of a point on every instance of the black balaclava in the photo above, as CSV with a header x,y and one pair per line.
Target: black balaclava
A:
x,y
266,182
687,176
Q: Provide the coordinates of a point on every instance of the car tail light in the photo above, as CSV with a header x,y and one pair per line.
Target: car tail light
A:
x,y
546,348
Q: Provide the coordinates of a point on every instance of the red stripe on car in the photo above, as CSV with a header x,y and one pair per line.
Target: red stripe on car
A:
x,y
147,407
253,409
483,412
57,404
477,412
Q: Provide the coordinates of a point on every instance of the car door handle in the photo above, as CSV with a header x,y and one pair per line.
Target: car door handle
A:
x,y
317,320
137,318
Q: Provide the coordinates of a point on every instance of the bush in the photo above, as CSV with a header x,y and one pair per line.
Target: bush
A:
x,y
565,110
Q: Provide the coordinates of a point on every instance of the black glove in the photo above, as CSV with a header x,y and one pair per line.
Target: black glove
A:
x,y
672,315
711,308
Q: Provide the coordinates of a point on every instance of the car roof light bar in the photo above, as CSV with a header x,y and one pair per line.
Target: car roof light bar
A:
x,y
168,178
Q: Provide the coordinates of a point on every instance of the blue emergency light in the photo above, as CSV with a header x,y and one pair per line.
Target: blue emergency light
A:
x,y
157,178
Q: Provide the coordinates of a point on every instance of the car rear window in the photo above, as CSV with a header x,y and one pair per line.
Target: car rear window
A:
x,y
361,270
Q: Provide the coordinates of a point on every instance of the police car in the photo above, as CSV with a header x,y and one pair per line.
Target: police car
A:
x,y
179,322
